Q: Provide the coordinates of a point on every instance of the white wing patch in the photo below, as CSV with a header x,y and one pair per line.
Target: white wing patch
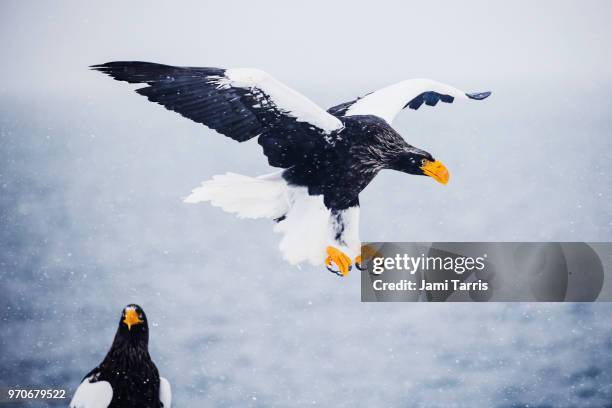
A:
x,y
165,392
92,395
288,100
387,102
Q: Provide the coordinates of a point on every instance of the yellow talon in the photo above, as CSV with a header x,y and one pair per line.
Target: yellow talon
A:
x,y
367,252
342,261
358,262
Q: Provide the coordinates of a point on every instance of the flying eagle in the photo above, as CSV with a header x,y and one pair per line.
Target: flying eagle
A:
x,y
327,157
127,377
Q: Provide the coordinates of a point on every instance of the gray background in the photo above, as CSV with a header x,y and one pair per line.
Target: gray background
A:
x,y
91,177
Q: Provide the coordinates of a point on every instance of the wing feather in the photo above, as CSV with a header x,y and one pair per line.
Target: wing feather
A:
x,y
387,102
165,392
98,394
239,103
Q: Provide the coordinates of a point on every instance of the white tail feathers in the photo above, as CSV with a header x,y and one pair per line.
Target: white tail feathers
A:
x,y
307,225
249,197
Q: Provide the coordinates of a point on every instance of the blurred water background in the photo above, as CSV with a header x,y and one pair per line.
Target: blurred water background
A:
x,y
92,176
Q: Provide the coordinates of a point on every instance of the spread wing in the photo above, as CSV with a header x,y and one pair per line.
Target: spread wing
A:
x,y
387,102
165,392
97,394
240,103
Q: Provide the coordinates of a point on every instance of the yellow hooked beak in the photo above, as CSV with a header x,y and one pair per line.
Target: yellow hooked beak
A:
x,y
131,318
435,170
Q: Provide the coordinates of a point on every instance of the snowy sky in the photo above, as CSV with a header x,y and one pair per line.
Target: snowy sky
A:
x,y
328,45
92,176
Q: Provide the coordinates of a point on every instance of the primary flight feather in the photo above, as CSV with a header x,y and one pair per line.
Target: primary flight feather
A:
x,y
327,157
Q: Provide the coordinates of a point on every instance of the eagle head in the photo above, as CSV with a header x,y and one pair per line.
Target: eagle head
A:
x,y
419,162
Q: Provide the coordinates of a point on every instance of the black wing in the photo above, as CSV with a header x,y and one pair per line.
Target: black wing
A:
x,y
238,103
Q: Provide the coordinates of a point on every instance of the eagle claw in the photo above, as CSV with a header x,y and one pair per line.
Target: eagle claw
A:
x,y
340,259
358,263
